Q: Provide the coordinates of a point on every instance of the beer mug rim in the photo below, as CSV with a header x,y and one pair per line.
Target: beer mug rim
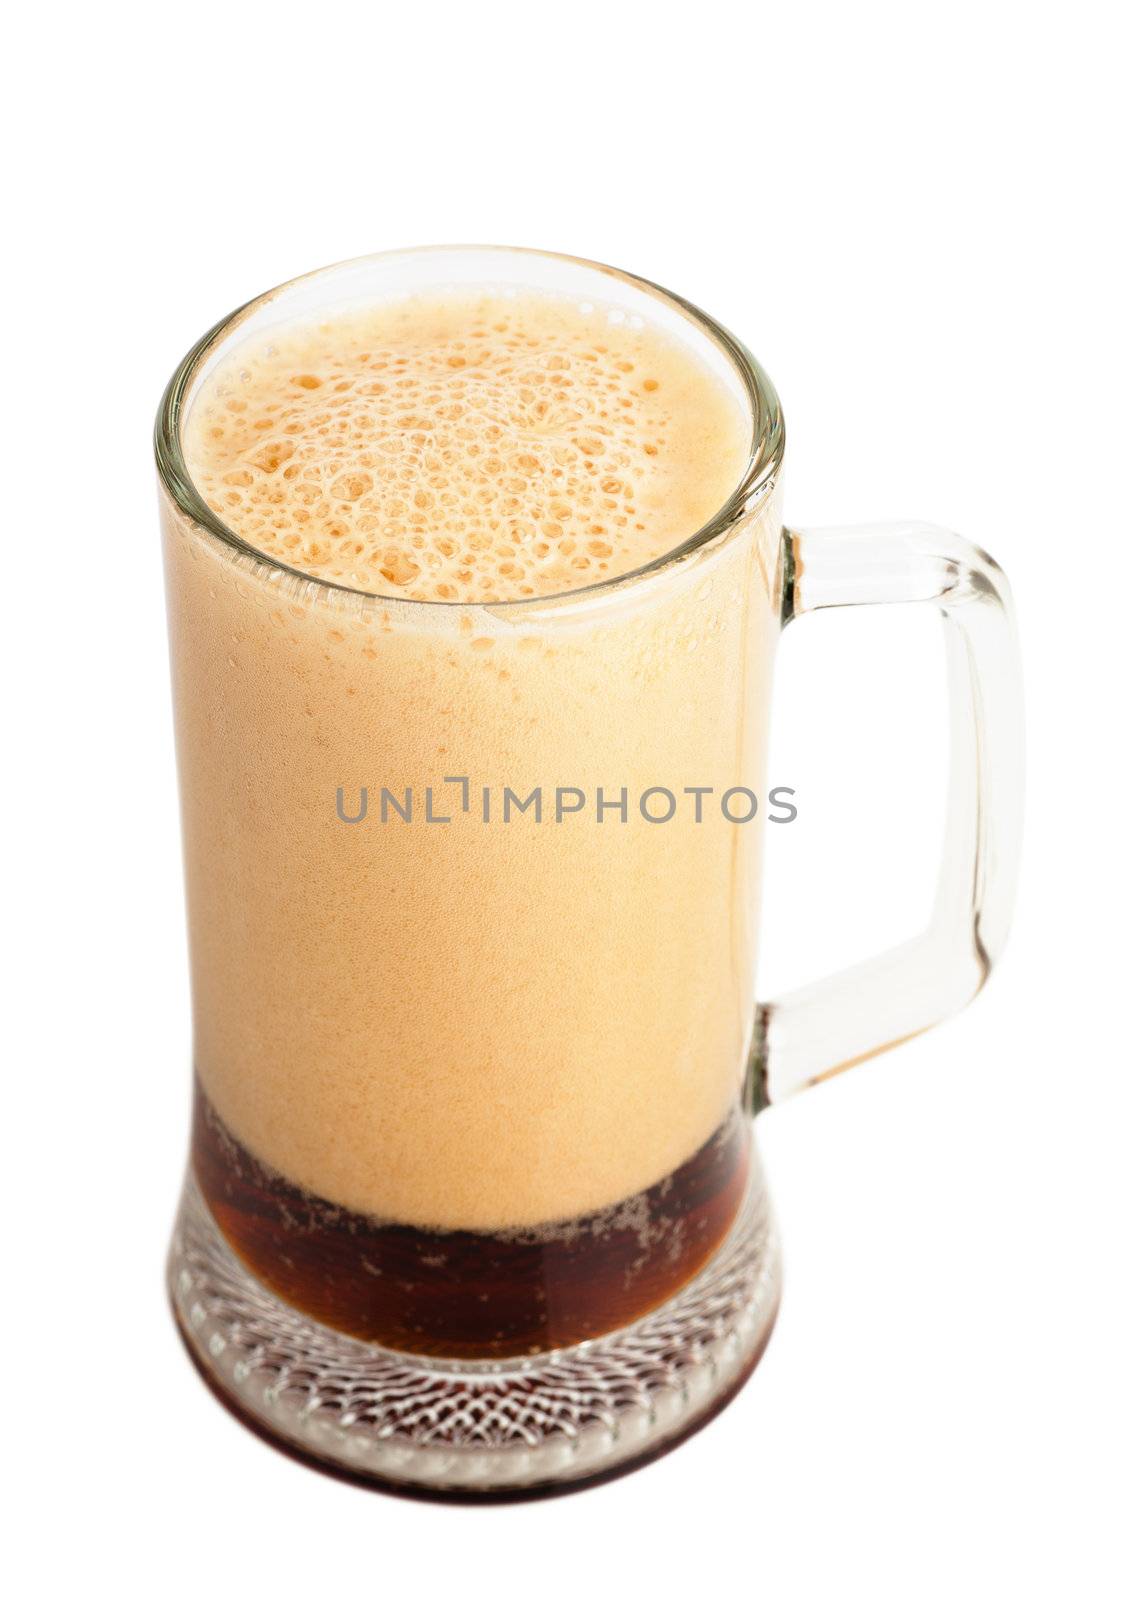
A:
x,y
760,472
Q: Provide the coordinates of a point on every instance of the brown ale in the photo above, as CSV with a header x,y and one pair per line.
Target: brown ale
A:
x,y
462,1293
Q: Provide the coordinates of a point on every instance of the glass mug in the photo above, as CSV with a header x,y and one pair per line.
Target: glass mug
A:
x,y
473,1205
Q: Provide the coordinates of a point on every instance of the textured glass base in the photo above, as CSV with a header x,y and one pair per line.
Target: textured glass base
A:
x,y
476,1427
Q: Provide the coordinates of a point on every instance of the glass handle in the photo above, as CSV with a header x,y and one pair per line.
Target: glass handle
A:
x,y
822,1029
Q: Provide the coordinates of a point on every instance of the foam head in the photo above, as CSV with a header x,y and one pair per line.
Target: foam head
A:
x,y
469,446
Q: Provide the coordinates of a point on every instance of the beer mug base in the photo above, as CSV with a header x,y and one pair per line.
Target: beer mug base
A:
x,y
476,1428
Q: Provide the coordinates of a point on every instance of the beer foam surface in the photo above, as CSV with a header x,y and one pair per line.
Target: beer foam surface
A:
x,y
466,447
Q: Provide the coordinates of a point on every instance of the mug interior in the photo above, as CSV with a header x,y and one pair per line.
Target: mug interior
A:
x,y
351,286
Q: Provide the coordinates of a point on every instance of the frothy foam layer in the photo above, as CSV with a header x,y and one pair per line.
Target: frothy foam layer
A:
x,y
467,448
482,1026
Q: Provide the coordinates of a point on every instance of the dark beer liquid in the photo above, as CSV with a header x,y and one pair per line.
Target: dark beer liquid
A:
x,y
458,1293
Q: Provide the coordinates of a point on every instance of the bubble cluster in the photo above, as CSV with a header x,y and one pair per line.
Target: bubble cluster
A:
x,y
470,448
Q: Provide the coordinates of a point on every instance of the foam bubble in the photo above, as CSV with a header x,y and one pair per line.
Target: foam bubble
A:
x,y
468,448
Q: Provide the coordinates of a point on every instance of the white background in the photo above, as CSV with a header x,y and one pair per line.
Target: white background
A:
x,y
911,213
